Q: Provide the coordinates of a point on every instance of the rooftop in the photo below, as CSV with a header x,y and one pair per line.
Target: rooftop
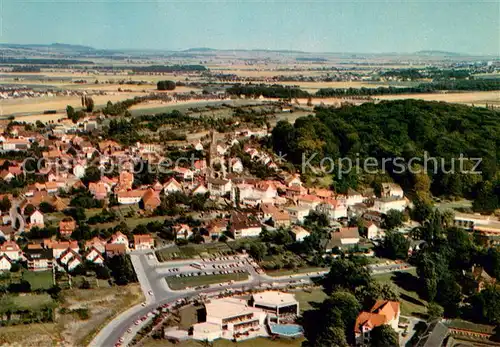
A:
x,y
274,298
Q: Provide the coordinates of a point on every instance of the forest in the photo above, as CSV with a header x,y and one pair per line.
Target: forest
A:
x,y
405,129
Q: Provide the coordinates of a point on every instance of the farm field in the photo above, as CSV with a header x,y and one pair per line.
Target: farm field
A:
x,y
58,103
178,283
468,98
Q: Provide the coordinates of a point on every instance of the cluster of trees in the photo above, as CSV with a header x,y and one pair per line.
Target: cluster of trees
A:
x,y
173,204
26,69
87,103
458,85
273,91
351,289
75,116
168,68
42,61
397,131
445,273
435,74
165,85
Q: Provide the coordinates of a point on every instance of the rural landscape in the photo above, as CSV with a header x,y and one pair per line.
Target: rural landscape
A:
x,y
254,196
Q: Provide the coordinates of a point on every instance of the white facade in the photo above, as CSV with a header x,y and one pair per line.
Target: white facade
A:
x,y
298,214
36,218
5,264
384,205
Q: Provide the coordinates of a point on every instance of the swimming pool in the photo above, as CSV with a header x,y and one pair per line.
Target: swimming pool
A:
x,y
289,330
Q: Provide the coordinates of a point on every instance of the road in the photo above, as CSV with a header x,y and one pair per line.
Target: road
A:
x,y
151,275
14,215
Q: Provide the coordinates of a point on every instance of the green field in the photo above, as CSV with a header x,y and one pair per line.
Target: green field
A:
x,y
307,299
39,279
177,283
32,301
192,251
406,285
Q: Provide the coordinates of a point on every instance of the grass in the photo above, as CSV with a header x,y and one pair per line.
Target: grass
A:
x,y
177,283
285,272
188,316
32,301
47,334
39,280
307,299
192,251
406,285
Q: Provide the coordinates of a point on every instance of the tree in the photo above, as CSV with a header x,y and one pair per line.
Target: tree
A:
x,y
165,85
88,103
45,207
434,311
331,337
384,336
347,275
92,174
70,111
5,204
395,245
258,250
346,304
486,305
29,209
393,219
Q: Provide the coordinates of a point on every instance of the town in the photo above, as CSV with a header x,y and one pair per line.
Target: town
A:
x,y
326,194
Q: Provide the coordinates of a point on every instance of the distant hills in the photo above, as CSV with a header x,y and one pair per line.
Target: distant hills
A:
x,y
438,54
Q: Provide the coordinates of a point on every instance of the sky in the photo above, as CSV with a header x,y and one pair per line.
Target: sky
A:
x,y
357,26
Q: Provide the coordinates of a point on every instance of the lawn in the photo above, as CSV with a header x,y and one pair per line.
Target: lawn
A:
x,y
177,283
32,301
406,284
285,272
192,251
39,279
307,299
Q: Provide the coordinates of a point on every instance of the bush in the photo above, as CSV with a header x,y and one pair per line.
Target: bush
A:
x,y
166,85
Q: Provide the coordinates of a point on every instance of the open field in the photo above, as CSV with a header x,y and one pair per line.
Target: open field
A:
x,y
177,283
31,301
39,280
58,103
406,284
285,272
191,251
37,335
307,299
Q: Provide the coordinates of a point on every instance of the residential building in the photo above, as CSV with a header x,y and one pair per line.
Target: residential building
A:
x,y
219,187
36,219
119,238
343,238
67,226
244,226
392,190
333,209
200,189
384,205
96,243
182,231
172,186
298,214
143,242
384,312
11,249
113,249
151,200
128,197
299,233
5,263
95,256
39,259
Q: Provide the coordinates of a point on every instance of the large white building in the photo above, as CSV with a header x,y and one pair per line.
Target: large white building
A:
x,y
230,318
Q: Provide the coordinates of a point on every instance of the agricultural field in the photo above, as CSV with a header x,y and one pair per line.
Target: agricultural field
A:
x,y
467,98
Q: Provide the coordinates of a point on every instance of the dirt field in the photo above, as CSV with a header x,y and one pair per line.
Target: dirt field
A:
x,y
59,103
69,330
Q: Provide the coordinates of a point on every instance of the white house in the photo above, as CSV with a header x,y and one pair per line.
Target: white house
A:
x,y
182,231
219,187
299,233
333,209
243,226
200,189
392,190
120,238
11,250
79,170
298,214
74,262
172,186
36,218
236,165
5,263
129,197
392,203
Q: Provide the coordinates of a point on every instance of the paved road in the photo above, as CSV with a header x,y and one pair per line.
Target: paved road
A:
x,y
151,275
14,215
412,322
